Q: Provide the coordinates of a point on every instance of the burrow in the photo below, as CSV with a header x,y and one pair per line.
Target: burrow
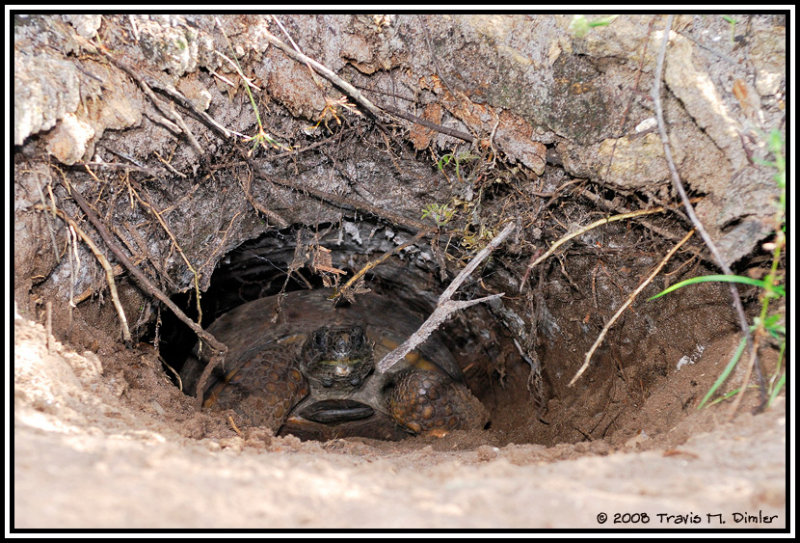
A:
x,y
237,223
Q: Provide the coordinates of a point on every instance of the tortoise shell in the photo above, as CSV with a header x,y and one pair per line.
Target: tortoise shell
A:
x,y
298,364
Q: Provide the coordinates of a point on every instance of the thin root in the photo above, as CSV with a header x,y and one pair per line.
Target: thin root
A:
x,y
235,428
112,286
627,303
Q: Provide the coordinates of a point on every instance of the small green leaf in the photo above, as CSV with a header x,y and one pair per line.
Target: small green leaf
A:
x,y
724,397
776,142
772,321
603,22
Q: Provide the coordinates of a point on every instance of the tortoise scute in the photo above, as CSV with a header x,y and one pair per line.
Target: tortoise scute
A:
x,y
428,401
313,372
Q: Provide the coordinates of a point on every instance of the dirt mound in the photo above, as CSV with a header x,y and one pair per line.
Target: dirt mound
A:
x,y
96,450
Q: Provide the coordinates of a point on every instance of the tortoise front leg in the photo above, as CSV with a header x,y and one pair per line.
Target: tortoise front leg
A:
x,y
430,402
263,390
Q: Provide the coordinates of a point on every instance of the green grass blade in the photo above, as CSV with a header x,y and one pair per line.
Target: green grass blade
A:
x,y
724,375
778,387
721,278
724,397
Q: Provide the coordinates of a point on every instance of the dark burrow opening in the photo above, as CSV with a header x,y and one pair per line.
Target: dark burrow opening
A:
x,y
635,380
305,259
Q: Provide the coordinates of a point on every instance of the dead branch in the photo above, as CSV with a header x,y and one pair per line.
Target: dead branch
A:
x,y
187,104
141,246
152,172
148,204
168,165
356,95
277,219
208,262
327,73
625,306
676,181
428,124
148,286
445,306
89,292
585,229
49,222
663,232
233,425
292,153
175,373
168,112
101,258
395,218
372,264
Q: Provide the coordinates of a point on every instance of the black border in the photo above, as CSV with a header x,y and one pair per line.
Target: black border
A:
x,y
11,13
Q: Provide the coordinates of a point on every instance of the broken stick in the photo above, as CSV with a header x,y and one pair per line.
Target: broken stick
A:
x,y
112,286
445,306
327,73
625,306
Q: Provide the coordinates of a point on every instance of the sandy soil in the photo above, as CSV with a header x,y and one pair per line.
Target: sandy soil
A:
x,y
94,449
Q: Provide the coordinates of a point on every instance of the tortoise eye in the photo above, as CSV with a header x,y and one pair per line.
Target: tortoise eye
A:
x,y
357,337
320,338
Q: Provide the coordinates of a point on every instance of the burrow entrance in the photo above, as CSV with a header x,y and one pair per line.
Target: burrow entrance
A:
x,y
518,355
643,377
541,152
323,256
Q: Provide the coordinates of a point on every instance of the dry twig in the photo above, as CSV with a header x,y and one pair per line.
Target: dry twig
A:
x,y
625,306
246,182
101,258
48,221
326,72
150,288
676,181
148,204
395,218
585,229
233,425
374,263
445,306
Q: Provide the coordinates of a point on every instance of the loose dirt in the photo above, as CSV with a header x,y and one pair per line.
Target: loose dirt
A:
x,y
104,440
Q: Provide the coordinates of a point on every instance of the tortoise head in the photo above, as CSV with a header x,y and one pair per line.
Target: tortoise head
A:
x,y
338,356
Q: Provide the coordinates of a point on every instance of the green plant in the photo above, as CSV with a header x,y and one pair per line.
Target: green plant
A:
x,y
580,25
440,213
464,156
765,323
730,20
262,138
